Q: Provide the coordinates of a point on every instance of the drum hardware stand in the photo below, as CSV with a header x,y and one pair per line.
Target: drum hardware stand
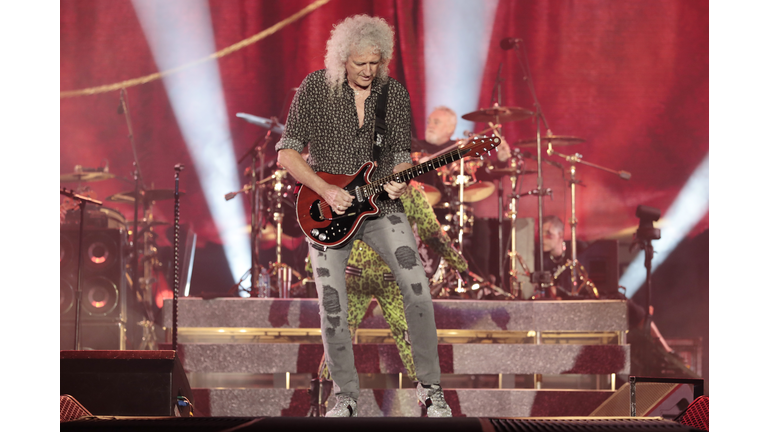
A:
x,y
514,257
83,200
579,277
256,152
279,269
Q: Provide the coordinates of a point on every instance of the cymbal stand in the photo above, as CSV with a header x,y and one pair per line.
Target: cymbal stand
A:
x,y
579,277
83,200
460,247
514,257
281,270
256,152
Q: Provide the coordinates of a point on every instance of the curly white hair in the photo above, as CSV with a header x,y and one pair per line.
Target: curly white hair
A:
x,y
359,34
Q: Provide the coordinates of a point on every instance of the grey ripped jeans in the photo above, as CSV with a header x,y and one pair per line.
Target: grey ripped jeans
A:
x,y
392,238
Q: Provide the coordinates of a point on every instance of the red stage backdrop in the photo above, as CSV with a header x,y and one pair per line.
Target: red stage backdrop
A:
x,y
631,78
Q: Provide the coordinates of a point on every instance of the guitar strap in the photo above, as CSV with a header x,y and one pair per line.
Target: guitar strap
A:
x,y
380,130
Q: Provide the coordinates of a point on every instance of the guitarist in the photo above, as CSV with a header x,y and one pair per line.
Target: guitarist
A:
x,y
334,112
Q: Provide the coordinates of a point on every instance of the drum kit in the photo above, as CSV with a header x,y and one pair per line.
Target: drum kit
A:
x,y
272,205
459,188
452,203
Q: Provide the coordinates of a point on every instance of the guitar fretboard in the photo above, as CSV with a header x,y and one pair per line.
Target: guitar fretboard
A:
x,y
413,172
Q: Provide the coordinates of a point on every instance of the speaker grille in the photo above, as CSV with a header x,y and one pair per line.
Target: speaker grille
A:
x,y
586,425
70,409
103,284
697,414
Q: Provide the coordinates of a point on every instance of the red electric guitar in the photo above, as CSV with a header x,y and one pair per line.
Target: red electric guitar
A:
x,y
326,228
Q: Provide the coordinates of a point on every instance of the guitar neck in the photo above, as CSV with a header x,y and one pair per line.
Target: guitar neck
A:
x,y
413,172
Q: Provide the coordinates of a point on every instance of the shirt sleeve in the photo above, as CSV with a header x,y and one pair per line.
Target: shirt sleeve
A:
x,y
297,127
399,123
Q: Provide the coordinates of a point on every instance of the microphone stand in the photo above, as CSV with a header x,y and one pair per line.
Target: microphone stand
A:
x,y
83,200
138,179
176,277
540,276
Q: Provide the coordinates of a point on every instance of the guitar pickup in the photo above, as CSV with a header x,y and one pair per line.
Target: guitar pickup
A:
x,y
358,194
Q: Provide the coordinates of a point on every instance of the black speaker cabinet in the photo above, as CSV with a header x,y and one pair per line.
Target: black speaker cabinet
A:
x,y
103,307
125,383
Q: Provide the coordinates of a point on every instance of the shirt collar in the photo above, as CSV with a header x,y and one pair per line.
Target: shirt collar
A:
x,y
376,85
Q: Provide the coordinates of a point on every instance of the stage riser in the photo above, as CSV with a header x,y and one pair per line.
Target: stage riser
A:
x,y
384,358
595,316
402,402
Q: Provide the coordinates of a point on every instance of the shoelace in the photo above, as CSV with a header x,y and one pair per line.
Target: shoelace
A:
x,y
436,396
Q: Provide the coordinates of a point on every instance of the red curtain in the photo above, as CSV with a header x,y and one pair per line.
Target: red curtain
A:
x,y
102,43
630,77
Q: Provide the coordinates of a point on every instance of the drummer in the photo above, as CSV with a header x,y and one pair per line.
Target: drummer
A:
x,y
441,125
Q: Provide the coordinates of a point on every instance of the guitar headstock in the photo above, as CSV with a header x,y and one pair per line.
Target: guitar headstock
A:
x,y
477,145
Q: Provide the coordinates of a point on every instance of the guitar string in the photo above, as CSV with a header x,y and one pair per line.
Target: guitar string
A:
x,y
377,187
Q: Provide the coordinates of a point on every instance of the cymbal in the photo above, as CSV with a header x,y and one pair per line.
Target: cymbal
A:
x,y
498,114
266,123
478,191
147,196
85,177
556,140
433,195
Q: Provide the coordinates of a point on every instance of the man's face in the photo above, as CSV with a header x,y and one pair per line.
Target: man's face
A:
x,y
552,239
362,68
440,126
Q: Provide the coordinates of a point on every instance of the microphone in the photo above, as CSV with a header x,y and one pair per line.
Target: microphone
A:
x,y
509,43
625,175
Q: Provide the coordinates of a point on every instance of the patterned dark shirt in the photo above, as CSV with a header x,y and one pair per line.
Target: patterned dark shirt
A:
x,y
329,125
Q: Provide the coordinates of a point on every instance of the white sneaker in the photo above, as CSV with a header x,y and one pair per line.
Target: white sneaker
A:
x,y
433,398
345,407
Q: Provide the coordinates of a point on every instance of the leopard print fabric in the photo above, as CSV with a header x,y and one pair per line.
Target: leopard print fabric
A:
x,y
360,289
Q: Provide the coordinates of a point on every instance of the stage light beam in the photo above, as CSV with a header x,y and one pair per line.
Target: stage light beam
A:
x,y
691,204
455,54
179,32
